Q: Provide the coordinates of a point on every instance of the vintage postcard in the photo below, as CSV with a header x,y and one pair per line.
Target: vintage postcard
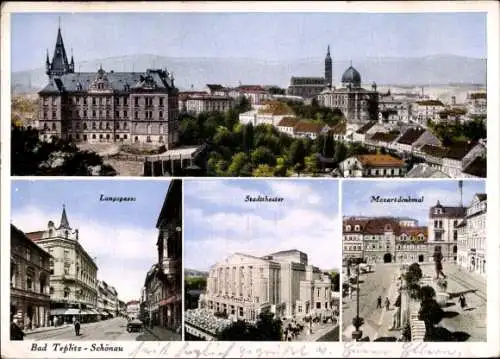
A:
x,y
249,179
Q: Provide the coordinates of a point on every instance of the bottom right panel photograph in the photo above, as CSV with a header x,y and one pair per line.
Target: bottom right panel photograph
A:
x,y
414,260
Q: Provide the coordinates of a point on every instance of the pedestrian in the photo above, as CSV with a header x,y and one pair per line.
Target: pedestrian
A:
x,y
16,333
77,327
387,303
438,258
462,301
397,303
379,302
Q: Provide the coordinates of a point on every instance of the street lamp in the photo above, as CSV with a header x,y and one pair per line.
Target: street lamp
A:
x,y
357,321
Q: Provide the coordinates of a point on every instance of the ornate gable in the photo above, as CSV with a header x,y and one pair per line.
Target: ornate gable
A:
x,y
100,84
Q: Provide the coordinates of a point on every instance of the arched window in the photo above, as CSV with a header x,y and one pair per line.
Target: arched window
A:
x,y
84,126
348,228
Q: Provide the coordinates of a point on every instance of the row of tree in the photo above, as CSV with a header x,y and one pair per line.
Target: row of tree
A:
x,y
456,132
247,150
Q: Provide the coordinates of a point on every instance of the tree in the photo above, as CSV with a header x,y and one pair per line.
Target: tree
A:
x,y
263,171
281,167
311,164
340,152
275,90
335,278
248,137
262,155
31,156
238,166
297,154
268,328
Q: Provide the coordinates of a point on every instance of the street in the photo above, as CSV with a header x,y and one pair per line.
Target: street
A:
x,y
457,325
111,329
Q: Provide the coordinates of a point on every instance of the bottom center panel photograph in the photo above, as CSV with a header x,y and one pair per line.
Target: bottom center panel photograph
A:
x,y
262,260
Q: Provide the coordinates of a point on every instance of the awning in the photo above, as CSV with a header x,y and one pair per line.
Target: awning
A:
x,y
72,311
58,311
170,300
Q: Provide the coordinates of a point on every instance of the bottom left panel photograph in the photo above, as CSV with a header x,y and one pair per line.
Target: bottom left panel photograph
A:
x,y
96,260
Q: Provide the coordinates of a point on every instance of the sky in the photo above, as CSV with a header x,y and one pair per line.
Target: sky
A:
x,y
356,197
218,222
121,235
266,36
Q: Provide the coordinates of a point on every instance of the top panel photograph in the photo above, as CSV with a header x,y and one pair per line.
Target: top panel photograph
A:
x,y
253,95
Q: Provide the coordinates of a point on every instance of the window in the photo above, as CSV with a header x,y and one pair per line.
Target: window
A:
x,y
161,102
136,99
54,115
161,114
28,254
93,113
318,305
29,278
51,291
66,292
136,115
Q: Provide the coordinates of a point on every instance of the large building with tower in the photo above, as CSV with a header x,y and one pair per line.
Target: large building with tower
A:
x,y
107,106
73,272
309,87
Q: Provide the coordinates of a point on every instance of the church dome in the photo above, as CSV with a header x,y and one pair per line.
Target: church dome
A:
x,y
351,76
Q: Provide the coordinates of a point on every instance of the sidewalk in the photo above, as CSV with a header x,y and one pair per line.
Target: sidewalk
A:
x,y
163,334
46,329
385,321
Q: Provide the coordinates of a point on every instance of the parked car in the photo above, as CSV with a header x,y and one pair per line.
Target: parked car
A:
x,y
135,325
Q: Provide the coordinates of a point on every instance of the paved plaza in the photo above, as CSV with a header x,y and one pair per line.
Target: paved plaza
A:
x,y
457,325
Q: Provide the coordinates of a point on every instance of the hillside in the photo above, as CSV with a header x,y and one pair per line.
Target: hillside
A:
x,y
430,70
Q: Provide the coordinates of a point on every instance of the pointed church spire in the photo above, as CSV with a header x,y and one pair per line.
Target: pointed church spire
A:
x,y
64,219
47,61
59,65
328,51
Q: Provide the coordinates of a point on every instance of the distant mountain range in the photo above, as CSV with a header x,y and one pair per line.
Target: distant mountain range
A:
x,y
196,72
194,273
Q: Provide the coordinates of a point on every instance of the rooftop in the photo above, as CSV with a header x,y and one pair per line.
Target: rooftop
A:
x,y
430,103
288,122
378,160
303,126
385,136
477,167
366,127
411,135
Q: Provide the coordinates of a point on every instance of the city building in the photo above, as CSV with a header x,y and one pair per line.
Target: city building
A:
x,y
255,94
73,272
130,107
376,165
163,283
472,236
309,87
426,110
443,234
306,129
196,103
243,286
384,240
287,125
356,103
477,104
29,281
107,300
414,138
132,309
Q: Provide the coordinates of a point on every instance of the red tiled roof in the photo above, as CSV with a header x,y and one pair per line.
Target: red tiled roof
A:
x,y
288,122
414,231
381,225
303,126
353,223
35,236
378,160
